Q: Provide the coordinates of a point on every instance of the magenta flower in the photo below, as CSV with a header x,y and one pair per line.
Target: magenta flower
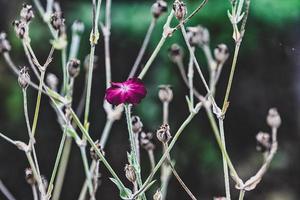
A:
x,y
131,91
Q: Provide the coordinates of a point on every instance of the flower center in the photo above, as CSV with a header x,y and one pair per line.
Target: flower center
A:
x,y
125,88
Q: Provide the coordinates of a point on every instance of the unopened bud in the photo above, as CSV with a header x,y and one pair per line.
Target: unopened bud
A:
x,y
26,13
137,124
175,53
263,142
78,27
163,133
180,10
4,43
198,35
29,177
221,53
93,153
130,173
73,67
24,78
157,195
165,93
273,118
159,8
145,141
21,28
52,81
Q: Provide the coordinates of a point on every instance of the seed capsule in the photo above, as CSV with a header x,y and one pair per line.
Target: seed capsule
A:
x,y
73,67
175,53
159,8
29,176
198,35
221,53
137,124
26,13
52,81
24,78
273,118
180,10
165,93
263,142
21,28
4,43
163,133
146,142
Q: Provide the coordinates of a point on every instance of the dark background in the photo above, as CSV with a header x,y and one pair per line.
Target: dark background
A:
x,y
267,76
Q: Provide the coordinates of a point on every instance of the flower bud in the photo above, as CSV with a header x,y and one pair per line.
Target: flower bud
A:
x,y
221,53
52,81
137,124
165,93
58,22
21,28
175,53
93,153
26,13
145,141
73,67
157,195
163,133
4,43
78,27
130,173
198,35
180,10
24,78
273,118
159,8
29,177
263,142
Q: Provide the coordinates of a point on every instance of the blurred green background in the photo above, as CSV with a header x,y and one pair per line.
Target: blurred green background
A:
x,y
268,75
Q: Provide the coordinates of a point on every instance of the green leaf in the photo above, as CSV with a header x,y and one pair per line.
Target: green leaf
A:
x,y
123,191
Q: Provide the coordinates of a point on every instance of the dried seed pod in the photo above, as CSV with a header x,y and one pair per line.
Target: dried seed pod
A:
x,y
180,10
165,93
175,53
137,124
273,118
29,177
93,153
158,8
78,27
26,13
263,142
157,195
4,43
198,35
58,22
163,133
21,28
52,81
73,67
130,173
221,53
24,78
145,141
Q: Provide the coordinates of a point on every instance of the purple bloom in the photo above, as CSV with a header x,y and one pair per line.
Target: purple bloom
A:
x,y
130,91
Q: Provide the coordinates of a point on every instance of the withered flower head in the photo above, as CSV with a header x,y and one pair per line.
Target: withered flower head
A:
x,y
21,28
58,22
159,8
137,124
52,81
263,142
73,67
198,35
165,93
130,173
175,53
4,43
221,53
163,133
29,176
26,13
24,78
93,153
157,195
180,9
273,118
145,141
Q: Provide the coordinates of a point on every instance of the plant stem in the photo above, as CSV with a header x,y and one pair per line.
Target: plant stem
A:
x,y
64,69
106,132
6,192
143,48
225,165
34,192
106,34
191,78
242,194
133,147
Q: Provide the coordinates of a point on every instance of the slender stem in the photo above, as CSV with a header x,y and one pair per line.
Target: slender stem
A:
x,y
143,48
64,69
151,158
34,192
133,147
6,192
57,161
106,33
191,77
62,168
7,139
242,194
230,80
165,112
225,165
98,152
158,47
30,60
106,132
38,103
